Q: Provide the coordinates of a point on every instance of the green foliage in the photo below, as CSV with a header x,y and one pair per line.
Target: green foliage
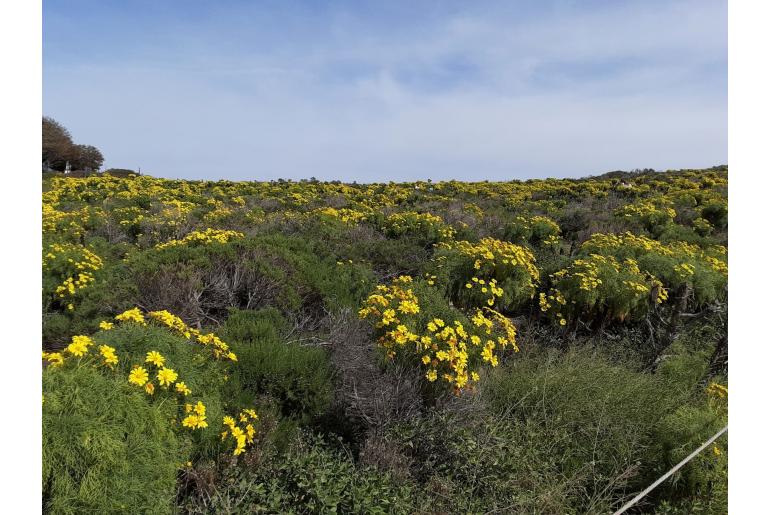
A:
x,y
298,376
716,214
106,449
311,477
535,230
608,409
205,376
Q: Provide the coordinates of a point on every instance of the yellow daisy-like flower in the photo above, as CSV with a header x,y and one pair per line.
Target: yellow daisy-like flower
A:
x,y
182,388
195,422
138,376
200,409
149,388
108,354
426,359
106,326
155,358
79,345
55,359
431,375
166,376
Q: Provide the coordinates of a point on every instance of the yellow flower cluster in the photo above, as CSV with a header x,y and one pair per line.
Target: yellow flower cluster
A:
x,y
219,348
427,224
73,262
54,359
196,418
242,435
348,216
203,238
133,315
600,284
491,288
507,263
717,390
449,351
79,346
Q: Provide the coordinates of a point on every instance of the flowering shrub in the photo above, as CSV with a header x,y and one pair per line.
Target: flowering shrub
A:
x,y
451,350
426,227
600,288
537,230
345,215
490,273
651,214
68,268
674,264
203,238
155,374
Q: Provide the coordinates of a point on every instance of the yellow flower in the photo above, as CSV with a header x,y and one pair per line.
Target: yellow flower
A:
x,y
200,409
79,345
55,359
166,376
105,326
426,359
431,375
138,376
155,358
132,315
108,353
182,388
149,388
195,422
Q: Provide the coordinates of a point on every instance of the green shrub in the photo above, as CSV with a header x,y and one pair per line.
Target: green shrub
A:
x,y
205,376
311,477
716,214
298,377
535,230
611,413
106,449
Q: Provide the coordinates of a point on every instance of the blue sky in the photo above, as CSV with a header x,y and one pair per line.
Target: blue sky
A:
x,y
378,91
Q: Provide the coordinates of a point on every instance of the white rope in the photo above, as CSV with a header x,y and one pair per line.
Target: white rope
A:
x,y
670,472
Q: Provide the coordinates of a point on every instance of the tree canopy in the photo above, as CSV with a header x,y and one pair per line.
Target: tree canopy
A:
x,y
58,149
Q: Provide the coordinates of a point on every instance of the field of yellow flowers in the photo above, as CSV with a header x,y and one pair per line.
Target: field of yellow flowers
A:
x,y
545,346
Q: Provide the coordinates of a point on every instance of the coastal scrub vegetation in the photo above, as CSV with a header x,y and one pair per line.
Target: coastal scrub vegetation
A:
x,y
540,346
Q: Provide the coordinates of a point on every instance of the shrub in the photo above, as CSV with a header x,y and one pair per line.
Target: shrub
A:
x,y
298,376
600,289
511,268
105,448
611,414
423,227
311,477
716,214
413,334
675,264
535,230
652,214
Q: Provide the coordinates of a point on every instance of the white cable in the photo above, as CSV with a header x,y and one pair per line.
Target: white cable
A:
x,y
667,474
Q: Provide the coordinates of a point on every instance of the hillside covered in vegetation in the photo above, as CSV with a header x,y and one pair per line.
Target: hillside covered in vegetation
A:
x,y
545,346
